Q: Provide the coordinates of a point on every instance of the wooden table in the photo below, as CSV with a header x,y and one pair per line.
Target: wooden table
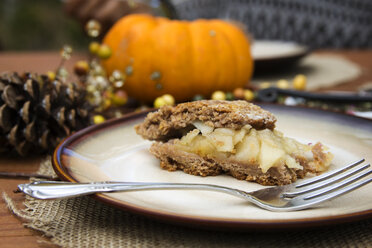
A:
x,y
12,231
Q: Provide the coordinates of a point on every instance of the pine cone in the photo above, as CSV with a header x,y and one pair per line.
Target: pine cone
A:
x,y
36,113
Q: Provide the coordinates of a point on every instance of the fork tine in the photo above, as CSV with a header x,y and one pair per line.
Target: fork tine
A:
x,y
336,186
304,204
329,174
326,182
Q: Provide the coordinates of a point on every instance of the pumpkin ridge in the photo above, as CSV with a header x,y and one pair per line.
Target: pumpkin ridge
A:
x,y
192,75
231,77
218,58
207,68
173,54
241,47
149,87
141,53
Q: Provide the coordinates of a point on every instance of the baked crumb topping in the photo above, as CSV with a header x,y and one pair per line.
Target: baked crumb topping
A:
x,y
169,121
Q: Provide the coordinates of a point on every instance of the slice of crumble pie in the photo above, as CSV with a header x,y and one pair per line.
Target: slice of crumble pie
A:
x,y
209,137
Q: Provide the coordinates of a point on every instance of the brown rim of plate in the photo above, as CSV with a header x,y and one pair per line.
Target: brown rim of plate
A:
x,y
201,221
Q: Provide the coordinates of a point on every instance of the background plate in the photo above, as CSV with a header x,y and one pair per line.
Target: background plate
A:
x,y
274,56
113,151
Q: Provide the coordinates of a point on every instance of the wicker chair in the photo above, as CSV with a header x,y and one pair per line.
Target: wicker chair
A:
x,y
315,23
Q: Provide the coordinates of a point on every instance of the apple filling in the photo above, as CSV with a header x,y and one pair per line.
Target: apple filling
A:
x,y
265,148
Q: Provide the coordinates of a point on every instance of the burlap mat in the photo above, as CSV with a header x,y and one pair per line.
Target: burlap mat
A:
x,y
84,222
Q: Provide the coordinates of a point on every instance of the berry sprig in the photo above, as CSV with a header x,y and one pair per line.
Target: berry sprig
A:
x,y
298,83
104,91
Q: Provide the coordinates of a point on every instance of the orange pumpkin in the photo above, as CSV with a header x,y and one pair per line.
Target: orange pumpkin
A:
x,y
180,58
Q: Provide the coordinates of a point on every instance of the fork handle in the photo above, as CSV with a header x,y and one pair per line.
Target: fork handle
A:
x,y
54,190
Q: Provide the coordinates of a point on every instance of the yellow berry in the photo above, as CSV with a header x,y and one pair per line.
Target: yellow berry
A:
x,y
104,51
51,75
97,119
159,102
218,95
248,95
94,47
282,84
265,85
299,82
169,99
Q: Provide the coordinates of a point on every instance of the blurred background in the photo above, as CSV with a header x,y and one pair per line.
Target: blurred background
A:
x,y
38,25
302,53
317,24
48,24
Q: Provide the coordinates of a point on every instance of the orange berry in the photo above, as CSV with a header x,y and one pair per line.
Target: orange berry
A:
x,y
239,93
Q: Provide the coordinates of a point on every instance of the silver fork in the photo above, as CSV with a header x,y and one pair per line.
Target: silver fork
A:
x,y
290,197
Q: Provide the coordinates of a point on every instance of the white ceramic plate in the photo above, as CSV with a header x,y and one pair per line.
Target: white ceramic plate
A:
x,y
113,151
265,49
272,56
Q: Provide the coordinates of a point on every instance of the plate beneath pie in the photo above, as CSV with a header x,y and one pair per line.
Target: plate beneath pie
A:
x,y
112,151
